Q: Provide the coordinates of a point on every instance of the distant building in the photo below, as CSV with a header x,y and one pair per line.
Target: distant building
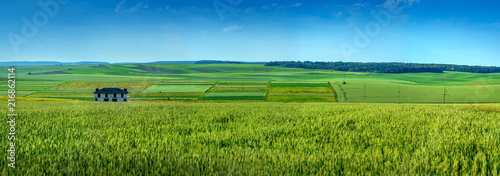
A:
x,y
110,95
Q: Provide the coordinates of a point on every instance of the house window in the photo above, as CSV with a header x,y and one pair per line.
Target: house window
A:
x,y
125,100
106,95
106,100
96,99
122,95
114,95
115,100
98,95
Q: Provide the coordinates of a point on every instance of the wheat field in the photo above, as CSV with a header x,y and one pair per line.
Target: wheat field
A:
x,y
146,138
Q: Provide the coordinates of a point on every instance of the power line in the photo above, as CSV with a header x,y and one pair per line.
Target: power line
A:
x,y
444,96
399,91
364,90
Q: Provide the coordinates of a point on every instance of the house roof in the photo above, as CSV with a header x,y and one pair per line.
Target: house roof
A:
x,y
111,90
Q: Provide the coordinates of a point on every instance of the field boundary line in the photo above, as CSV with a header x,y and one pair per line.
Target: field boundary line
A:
x,y
268,90
334,92
343,92
145,87
208,90
43,90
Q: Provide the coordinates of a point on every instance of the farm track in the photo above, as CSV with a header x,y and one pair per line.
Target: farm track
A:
x,y
334,92
343,92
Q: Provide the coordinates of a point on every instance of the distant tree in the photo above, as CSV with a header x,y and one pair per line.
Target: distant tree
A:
x,y
389,67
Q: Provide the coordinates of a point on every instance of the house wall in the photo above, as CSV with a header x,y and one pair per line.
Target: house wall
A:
x,y
111,97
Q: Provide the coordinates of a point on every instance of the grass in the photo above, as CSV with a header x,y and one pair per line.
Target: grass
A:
x,y
300,98
301,92
236,94
244,83
168,96
240,86
83,90
482,108
79,138
253,73
295,90
177,88
384,92
221,136
25,88
415,87
186,83
260,97
299,84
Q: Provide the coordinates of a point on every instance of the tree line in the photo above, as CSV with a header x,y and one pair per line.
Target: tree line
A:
x,y
225,62
384,67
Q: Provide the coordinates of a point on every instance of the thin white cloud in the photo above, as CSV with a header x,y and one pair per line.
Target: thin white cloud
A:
x,y
399,3
232,28
339,14
186,9
140,5
269,6
296,4
276,6
361,5
117,9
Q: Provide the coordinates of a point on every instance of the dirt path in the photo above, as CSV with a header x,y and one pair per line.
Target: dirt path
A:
x,y
343,92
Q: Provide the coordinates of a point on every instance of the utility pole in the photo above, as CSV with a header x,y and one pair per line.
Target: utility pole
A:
x,y
444,96
344,78
364,90
399,91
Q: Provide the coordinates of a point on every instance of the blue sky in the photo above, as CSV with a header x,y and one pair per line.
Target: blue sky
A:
x,y
422,31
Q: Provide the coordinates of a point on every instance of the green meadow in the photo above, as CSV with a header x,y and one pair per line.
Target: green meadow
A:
x,y
176,88
248,119
200,82
240,86
387,92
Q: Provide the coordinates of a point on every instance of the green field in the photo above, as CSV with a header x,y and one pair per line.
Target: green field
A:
x,y
384,92
236,94
87,138
301,92
248,119
176,88
299,84
83,90
240,86
193,80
